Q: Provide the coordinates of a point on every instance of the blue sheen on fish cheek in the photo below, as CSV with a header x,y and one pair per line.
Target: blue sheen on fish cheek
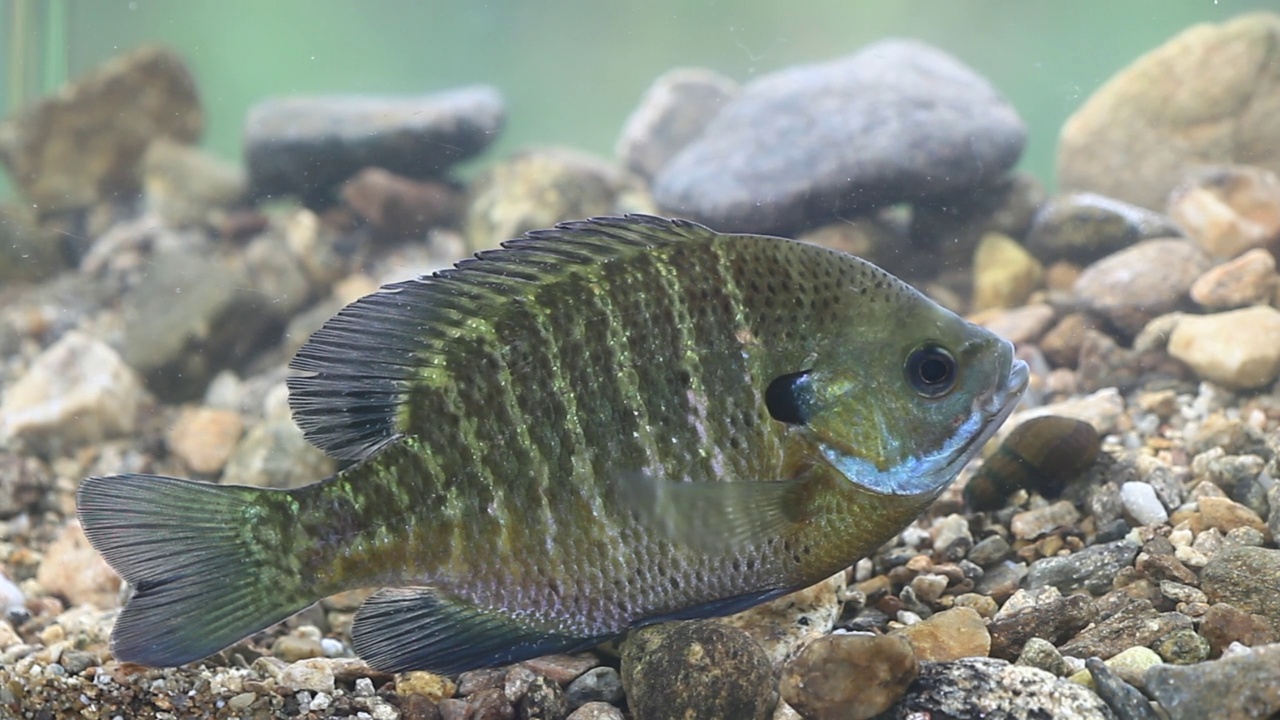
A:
x,y
915,475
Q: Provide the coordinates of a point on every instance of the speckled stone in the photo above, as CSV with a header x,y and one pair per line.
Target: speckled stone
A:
x,y
596,711
975,688
1031,524
1224,624
1136,623
785,625
848,676
1040,653
696,669
1053,620
1093,568
1247,578
602,684
1241,687
1183,647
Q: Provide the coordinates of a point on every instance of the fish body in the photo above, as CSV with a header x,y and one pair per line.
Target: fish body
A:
x,y
599,426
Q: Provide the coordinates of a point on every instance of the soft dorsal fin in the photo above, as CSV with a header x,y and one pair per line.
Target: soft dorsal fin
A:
x,y
357,368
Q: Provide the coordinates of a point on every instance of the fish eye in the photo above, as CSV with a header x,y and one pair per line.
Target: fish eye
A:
x,y
931,370
789,397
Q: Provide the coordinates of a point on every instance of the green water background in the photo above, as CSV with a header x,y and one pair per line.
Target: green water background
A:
x,y
572,70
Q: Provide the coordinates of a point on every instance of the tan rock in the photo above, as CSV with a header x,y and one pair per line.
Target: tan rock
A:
x,y
1004,273
429,685
1226,515
1238,349
205,437
1247,280
1141,282
1061,344
949,635
1229,210
1017,325
1209,95
785,625
853,677
73,569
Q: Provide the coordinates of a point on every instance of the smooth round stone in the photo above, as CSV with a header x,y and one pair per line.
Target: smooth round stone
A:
x,y
1236,349
1142,504
1141,282
848,676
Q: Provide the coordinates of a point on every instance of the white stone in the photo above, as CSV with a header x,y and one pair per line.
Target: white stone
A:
x,y
1142,504
77,391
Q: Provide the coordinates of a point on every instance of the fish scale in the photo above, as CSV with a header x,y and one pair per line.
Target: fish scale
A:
x,y
600,426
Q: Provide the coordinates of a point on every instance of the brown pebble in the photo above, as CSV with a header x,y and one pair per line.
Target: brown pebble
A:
x,y
1227,515
204,438
1223,624
949,635
562,668
855,677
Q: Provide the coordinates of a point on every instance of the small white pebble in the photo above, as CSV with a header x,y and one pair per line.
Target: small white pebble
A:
x,y
1142,504
333,647
320,702
1074,664
863,569
384,711
364,687
906,617
1236,648
1181,537
1191,557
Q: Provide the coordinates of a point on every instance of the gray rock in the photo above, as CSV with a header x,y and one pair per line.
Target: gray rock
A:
x,y
544,700
1092,568
1086,227
538,188
1240,687
185,185
1139,283
674,110
899,121
77,391
989,551
307,146
696,669
1123,698
28,253
602,684
983,688
1135,623
85,143
1247,578
1053,620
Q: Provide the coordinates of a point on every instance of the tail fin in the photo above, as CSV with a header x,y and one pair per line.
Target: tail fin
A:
x,y
188,549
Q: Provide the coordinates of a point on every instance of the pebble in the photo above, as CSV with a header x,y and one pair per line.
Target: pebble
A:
x,y
1135,623
398,207
1226,515
974,688
1229,210
1223,624
785,625
1004,273
187,186
1141,282
696,669
989,551
1142,504
1127,702
544,700
1247,280
1142,130
1241,687
1053,619
1092,568
1183,647
952,539
602,684
808,145
1129,665
1032,524
85,143
1246,578
1061,344
596,711
848,676
949,635
562,668
1040,653
1085,227
204,437
73,569
313,674
308,146
673,111
77,391
1018,325
298,646
1233,348
1180,593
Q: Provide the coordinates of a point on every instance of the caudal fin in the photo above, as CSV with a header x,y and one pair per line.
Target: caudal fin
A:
x,y
201,582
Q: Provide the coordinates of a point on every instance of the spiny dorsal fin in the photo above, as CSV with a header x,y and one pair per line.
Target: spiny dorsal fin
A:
x,y
358,367
419,628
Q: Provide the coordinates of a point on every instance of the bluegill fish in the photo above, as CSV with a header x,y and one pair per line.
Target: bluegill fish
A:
x,y
599,426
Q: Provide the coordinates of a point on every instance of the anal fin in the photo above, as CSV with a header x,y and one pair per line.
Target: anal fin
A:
x,y
421,628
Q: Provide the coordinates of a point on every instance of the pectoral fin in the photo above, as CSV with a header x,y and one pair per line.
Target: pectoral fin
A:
x,y
420,628
711,515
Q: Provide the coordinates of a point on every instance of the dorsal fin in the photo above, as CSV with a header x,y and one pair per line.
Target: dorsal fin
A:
x,y
357,368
